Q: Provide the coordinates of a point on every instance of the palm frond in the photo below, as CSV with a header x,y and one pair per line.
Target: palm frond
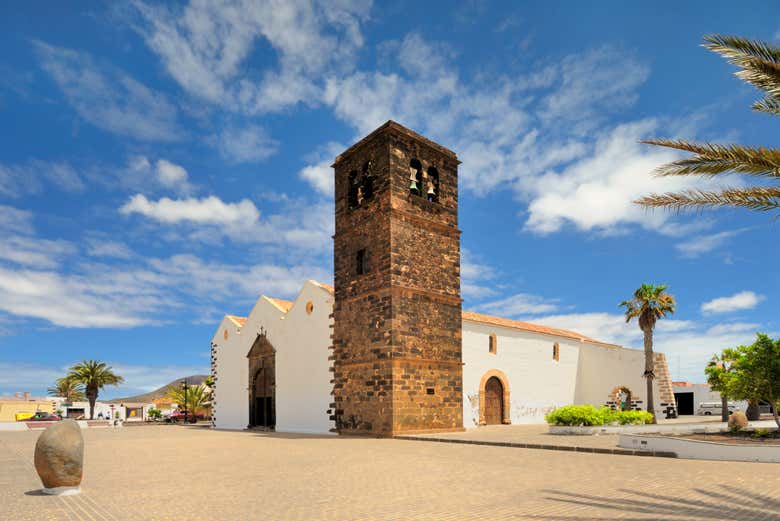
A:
x,y
759,62
769,105
740,50
713,159
758,198
765,76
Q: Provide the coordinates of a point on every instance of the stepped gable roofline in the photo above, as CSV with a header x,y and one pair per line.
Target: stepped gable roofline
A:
x,y
391,125
326,287
282,305
470,316
238,321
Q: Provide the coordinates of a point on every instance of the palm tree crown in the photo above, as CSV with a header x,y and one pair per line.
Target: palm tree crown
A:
x,y
759,65
649,304
93,375
67,388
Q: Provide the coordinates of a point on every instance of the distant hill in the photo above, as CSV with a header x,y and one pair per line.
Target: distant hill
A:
x,y
149,397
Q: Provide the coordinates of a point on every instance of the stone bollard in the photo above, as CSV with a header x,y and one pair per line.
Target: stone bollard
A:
x,y
59,458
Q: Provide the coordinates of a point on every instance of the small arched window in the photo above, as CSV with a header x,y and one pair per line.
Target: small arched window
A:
x,y
432,188
415,177
352,192
493,344
556,352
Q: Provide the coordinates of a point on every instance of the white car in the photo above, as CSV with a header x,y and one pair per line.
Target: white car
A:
x,y
713,409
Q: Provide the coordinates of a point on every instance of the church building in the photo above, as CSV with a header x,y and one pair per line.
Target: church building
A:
x,y
388,349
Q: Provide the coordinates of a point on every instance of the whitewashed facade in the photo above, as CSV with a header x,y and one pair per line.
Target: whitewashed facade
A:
x,y
540,368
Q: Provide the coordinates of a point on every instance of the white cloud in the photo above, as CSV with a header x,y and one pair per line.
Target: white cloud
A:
x,y
32,177
737,302
172,175
204,45
101,247
247,144
34,252
319,173
207,210
15,220
108,98
597,191
300,224
592,85
519,304
701,244
96,295
476,277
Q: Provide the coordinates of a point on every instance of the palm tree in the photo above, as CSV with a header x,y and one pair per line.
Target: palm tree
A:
x,y
67,388
759,65
197,398
649,304
93,375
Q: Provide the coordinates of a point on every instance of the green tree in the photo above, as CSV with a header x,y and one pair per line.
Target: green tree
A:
x,y
649,304
759,65
757,373
67,388
719,371
93,375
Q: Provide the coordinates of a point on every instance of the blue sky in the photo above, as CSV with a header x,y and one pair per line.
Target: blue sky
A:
x,y
164,164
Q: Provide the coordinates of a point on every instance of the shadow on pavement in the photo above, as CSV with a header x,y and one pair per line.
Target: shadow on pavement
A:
x,y
730,503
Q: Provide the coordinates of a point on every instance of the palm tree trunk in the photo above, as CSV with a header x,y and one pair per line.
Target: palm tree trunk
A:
x,y
649,371
92,397
724,408
773,405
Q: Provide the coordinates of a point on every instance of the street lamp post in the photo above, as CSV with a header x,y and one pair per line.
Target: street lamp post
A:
x,y
185,386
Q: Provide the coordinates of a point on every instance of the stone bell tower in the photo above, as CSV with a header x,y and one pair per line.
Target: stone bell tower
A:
x,y
397,312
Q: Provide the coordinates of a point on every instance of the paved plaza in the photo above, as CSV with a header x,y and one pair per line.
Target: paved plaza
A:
x,y
176,472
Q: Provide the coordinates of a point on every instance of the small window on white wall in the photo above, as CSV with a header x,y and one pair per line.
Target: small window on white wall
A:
x,y
556,352
493,344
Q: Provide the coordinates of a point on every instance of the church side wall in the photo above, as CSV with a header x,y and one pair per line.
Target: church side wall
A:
x,y
604,368
537,383
302,369
231,410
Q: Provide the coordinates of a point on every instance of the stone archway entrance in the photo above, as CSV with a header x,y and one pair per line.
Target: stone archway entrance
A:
x,y
262,384
494,399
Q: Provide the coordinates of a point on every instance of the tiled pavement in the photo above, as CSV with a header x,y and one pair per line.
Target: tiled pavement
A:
x,y
180,472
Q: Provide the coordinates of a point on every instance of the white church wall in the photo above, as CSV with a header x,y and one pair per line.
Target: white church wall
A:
x,y
602,368
231,410
302,369
537,383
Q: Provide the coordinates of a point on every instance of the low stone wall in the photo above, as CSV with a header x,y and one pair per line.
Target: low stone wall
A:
x,y
638,429
669,428
697,449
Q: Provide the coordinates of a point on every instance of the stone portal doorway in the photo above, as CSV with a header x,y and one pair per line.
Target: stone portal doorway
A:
x,y
262,383
494,401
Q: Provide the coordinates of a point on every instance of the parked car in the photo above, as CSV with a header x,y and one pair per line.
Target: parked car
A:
x,y
42,417
182,417
714,409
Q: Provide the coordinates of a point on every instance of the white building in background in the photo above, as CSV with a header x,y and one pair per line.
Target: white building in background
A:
x,y
271,368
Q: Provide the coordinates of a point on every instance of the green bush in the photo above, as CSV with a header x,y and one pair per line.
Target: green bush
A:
x,y
587,415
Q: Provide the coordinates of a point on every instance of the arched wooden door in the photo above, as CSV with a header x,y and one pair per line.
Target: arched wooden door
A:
x,y
494,401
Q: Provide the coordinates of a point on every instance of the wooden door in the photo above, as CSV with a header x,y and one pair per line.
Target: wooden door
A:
x,y
494,401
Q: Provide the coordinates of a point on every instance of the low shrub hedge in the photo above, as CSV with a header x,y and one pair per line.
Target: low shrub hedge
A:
x,y
587,416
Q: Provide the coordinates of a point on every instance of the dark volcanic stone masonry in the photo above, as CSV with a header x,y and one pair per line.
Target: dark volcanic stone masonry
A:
x,y
397,312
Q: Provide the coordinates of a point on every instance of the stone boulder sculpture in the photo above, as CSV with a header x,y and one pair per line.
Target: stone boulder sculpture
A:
x,y
59,458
